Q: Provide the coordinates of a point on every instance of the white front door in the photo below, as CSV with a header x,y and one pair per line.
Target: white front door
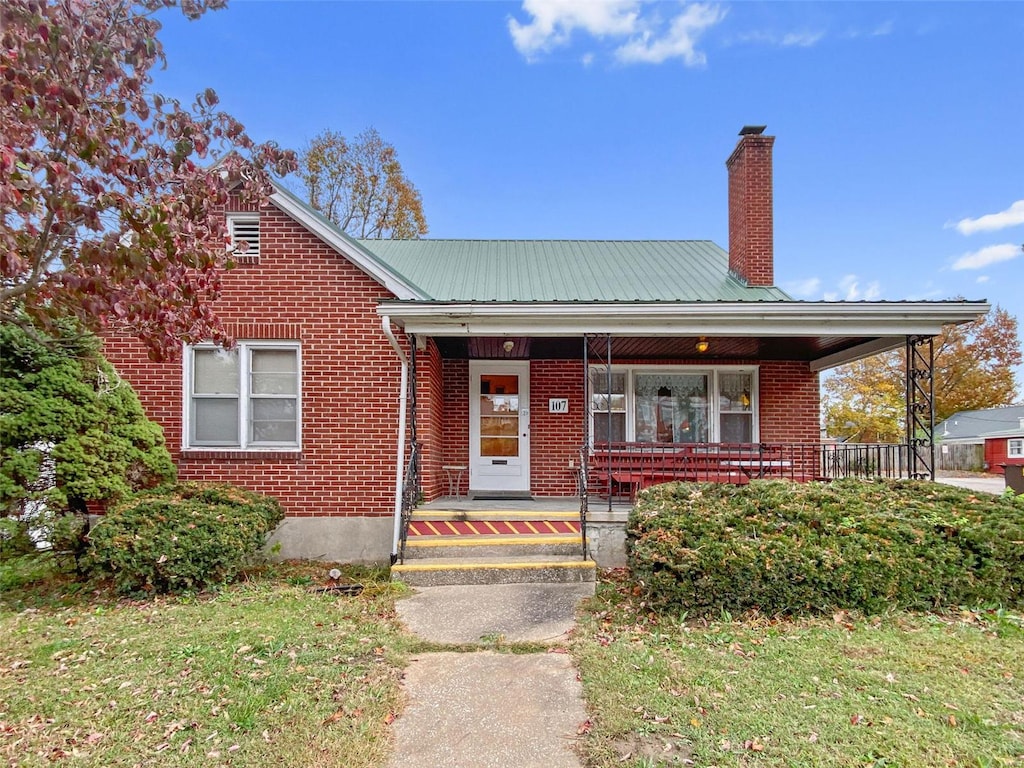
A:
x,y
499,426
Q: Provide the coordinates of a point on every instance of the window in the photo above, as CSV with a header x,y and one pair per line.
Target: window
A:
x,y
608,406
1015,448
673,405
244,230
246,397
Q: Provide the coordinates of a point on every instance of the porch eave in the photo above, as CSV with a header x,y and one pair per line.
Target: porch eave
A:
x,y
868,327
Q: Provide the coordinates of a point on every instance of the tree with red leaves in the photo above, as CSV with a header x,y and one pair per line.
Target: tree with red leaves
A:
x,y
112,196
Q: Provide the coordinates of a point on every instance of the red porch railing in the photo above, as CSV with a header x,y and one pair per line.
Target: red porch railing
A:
x,y
620,469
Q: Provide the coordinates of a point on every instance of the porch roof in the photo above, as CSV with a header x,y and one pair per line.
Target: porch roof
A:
x,y
824,334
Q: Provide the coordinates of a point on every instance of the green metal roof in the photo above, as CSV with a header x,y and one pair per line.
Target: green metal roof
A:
x,y
568,270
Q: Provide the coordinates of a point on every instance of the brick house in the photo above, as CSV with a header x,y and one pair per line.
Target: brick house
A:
x,y
504,358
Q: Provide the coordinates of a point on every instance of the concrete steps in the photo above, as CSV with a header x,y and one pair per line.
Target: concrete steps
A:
x,y
448,547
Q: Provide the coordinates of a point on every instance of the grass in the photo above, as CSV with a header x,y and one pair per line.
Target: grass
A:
x,y
902,690
265,672
260,673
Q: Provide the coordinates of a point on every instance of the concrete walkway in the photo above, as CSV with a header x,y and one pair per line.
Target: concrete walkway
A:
x,y
484,709
988,484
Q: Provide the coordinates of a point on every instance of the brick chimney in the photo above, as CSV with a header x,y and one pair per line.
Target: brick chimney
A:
x,y
751,253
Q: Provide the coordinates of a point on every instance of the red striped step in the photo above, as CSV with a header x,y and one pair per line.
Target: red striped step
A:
x,y
492,527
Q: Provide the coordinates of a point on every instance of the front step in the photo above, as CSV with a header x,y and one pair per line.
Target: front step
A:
x,y
448,571
449,547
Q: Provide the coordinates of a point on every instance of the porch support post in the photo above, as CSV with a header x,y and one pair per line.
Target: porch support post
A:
x,y
400,460
920,379
608,410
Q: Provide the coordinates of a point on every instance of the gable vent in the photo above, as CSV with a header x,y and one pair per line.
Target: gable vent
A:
x,y
245,238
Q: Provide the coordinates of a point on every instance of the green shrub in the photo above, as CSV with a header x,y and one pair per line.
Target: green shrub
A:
x,y
182,538
782,547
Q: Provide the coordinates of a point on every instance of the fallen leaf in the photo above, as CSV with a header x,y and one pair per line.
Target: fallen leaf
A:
x,y
151,717
813,738
389,718
584,728
334,717
951,721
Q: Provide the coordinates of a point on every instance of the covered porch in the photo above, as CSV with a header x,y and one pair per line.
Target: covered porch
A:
x,y
602,400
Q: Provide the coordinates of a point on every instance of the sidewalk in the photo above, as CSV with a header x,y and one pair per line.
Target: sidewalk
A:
x,y
985,483
485,709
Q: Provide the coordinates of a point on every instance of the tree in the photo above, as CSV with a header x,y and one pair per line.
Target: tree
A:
x,y
361,186
865,401
71,431
111,195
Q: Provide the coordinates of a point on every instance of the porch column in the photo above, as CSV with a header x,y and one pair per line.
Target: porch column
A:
x,y
920,379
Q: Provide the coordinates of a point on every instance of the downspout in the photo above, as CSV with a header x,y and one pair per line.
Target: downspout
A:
x,y
385,322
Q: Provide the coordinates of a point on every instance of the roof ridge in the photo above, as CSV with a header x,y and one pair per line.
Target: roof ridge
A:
x,y
532,240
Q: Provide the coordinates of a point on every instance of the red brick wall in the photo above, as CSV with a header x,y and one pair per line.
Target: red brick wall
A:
x,y
555,438
790,410
455,434
302,290
430,419
751,249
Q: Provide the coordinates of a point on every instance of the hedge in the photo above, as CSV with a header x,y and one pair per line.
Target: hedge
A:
x,y
182,538
802,548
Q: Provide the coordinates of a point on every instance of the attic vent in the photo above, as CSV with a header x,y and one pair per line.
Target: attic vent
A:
x,y
245,238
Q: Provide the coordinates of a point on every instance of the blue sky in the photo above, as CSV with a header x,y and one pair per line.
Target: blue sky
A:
x,y
899,162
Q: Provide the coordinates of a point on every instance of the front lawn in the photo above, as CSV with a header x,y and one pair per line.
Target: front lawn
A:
x,y
909,690
261,673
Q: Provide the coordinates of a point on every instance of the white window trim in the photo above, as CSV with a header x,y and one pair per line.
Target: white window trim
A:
x,y
243,347
1015,442
712,371
235,219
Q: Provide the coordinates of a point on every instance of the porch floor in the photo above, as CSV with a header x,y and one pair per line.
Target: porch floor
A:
x,y
597,507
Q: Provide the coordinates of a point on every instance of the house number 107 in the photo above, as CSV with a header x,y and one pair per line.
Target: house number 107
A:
x,y
558,405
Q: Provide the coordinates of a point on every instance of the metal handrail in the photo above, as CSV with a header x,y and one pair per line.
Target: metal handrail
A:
x,y
411,494
584,485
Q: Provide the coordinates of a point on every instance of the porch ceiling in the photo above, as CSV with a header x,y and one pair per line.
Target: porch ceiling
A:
x,y
803,348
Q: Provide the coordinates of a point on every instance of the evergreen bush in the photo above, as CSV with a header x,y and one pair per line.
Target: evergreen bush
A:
x,y
797,548
182,538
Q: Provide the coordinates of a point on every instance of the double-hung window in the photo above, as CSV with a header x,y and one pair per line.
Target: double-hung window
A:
x,y
246,398
1015,448
673,404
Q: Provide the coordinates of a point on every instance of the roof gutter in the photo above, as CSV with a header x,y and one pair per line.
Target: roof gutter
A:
x,y
385,322
763,319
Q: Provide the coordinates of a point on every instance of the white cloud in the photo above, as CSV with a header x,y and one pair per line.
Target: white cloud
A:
x,y
850,290
555,20
679,41
990,222
982,279
809,287
801,39
587,59
641,37
991,254
883,29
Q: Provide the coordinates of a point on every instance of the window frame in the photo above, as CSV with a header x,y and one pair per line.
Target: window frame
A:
x,y
1019,452
233,220
712,372
245,397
